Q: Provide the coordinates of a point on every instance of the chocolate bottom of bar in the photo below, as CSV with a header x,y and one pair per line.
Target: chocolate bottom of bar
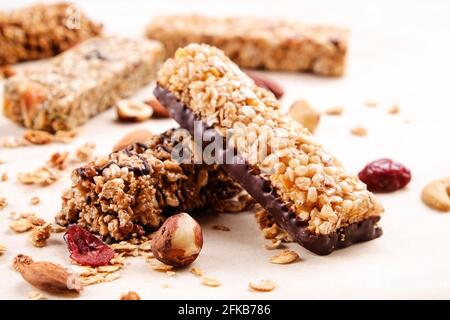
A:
x,y
261,190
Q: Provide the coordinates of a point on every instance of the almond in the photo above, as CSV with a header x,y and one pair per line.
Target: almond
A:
x,y
139,135
159,111
46,276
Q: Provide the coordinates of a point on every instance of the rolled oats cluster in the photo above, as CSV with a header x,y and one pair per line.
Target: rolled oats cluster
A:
x,y
80,83
42,31
132,191
309,181
258,42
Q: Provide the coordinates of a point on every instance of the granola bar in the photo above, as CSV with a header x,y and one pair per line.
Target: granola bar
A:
x,y
277,161
42,31
257,42
132,191
80,83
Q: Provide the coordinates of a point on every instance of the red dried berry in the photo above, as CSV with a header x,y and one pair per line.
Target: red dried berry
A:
x,y
86,249
385,175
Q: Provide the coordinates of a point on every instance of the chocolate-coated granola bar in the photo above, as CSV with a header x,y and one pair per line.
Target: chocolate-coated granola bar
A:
x,y
42,31
277,161
81,82
258,42
132,191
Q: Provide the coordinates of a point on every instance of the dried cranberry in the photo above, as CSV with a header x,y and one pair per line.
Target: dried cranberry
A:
x,y
385,175
86,249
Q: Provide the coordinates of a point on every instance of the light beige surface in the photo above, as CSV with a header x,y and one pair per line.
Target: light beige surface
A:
x,y
398,54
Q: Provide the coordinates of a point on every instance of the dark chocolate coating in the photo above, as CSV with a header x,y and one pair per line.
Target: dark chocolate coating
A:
x,y
262,191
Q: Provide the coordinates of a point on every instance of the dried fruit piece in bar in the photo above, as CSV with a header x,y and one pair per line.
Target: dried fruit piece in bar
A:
x,y
276,160
259,43
80,83
133,190
42,31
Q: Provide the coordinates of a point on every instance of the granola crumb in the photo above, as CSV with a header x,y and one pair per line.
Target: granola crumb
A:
x,y
38,137
4,177
371,103
35,200
395,109
13,142
42,176
162,267
197,272
285,257
21,225
34,295
262,286
64,136
221,227
84,152
210,282
59,160
334,111
170,273
2,249
56,228
33,219
40,235
359,131
274,244
3,203
131,295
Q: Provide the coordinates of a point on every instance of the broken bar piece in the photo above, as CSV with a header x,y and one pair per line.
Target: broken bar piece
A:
x,y
133,190
81,82
278,162
42,31
259,43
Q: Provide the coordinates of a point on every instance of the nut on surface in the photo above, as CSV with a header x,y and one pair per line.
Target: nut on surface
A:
x,y
303,113
436,194
179,241
133,111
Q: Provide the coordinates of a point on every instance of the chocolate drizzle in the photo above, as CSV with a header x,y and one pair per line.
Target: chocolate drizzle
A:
x,y
261,190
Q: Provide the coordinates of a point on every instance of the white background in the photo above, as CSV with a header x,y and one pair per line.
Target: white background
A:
x,y
399,53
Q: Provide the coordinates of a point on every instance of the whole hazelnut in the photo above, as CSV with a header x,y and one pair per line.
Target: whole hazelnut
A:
x,y
179,241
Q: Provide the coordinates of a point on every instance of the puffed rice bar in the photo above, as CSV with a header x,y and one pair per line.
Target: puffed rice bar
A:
x,y
81,82
258,42
42,31
302,186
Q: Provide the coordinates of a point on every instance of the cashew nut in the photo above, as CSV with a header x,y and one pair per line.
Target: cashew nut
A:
x,y
436,194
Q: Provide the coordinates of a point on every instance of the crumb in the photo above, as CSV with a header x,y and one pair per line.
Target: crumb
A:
x,y
40,235
221,227
170,273
2,249
4,177
131,295
59,160
42,176
395,109
274,244
64,136
334,111
359,131
56,228
35,200
371,103
262,286
197,272
38,137
84,153
165,285
13,142
210,282
34,295
21,225
285,257
162,267
3,203
33,219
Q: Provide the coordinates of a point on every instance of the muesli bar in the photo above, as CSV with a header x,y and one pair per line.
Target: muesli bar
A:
x,y
133,190
81,82
260,43
278,162
42,31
